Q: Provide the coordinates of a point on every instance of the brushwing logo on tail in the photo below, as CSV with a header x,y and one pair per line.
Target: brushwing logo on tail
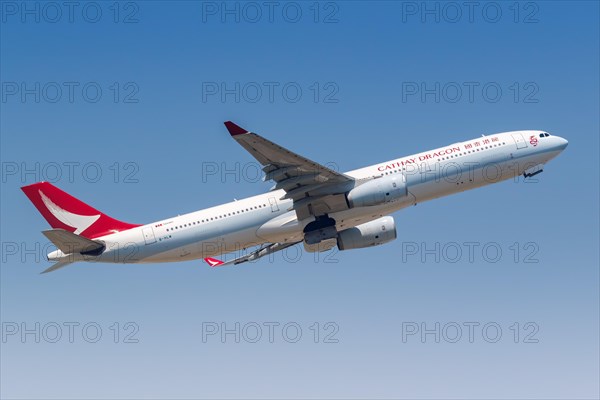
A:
x,y
79,222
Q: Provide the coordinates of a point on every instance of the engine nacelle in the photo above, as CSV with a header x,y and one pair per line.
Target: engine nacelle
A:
x,y
372,233
378,191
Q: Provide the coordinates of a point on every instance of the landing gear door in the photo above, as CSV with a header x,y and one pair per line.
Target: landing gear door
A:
x,y
519,140
148,235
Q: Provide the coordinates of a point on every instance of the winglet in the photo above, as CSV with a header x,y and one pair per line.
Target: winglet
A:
x,y
234,129
213,262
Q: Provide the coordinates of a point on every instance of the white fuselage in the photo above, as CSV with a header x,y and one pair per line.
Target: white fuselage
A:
x,y
266,218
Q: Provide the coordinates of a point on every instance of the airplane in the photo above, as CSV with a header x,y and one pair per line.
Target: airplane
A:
x,y
309,203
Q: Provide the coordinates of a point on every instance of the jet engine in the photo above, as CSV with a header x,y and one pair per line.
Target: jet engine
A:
x,y
372,233
378,191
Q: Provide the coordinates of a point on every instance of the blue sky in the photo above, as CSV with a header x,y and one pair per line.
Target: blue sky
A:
x,y
122,106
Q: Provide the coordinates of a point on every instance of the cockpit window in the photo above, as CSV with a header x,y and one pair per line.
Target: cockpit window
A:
x,y
541,135
544,134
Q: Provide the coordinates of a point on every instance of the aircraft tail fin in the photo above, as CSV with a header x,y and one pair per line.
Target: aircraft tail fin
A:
x,y
63,211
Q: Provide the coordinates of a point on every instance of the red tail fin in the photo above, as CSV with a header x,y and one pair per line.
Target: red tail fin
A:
x,y
64,211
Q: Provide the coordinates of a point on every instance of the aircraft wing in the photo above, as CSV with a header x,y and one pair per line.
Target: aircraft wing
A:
x,y
261,252
315,189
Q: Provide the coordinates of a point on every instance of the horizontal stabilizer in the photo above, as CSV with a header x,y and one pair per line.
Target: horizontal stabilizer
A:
x,y
56,266
213,262
68,242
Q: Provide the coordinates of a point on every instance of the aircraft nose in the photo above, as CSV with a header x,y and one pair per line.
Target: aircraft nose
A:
x,y
562,143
